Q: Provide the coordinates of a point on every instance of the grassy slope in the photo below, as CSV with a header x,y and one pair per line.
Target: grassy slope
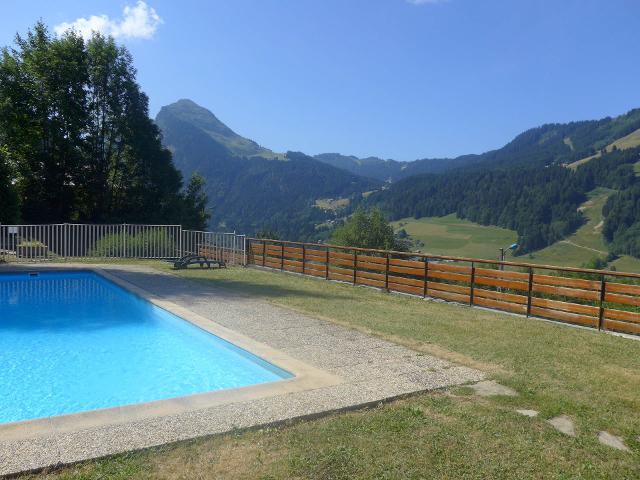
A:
x,y
589,376
628,141
452,236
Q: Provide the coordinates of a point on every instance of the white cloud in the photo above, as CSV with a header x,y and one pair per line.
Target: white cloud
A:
x,y
139,21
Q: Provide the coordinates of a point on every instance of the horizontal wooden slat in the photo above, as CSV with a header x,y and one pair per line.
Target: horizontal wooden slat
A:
x,y
446,267
621,326
615,314
624,299
505,297
371,275
342,271
293,268
449,276
406,281
341,261
398,262
566,282
274,250
342,255
337,276
314,267
371,266
564,316
565,306
449,288
292,250
405,288
500,305
293,255
622,288
370,282
452,297
406,270
503,274
272,263
566,292
315,258
496,282
315,273
372,259
295,263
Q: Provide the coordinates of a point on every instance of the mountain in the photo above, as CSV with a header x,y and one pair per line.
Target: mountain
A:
x,y
250,188
393,170
188,112
526,185
555,143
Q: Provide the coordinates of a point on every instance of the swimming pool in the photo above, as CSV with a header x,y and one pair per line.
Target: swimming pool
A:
x,y
73,341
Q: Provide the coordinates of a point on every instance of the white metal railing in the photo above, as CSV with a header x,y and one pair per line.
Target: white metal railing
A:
x,y
30,243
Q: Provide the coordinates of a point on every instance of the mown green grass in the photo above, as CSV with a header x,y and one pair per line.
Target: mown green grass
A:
x,y
592,377
452,236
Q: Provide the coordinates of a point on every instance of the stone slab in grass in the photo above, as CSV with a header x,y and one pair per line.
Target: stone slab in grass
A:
x,y
489,388
612,441
563,424
528,413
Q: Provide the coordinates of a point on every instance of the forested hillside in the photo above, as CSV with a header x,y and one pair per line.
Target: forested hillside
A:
x,y
540,202
254,193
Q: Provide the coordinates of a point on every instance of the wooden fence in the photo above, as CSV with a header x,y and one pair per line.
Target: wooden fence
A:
x,y
604,300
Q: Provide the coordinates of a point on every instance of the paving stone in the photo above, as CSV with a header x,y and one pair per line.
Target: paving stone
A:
x,y
528,413
612,441
489,388
563,424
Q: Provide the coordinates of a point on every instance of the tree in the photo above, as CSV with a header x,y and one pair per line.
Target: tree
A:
x,y
196,215
366,230
9,201
75,120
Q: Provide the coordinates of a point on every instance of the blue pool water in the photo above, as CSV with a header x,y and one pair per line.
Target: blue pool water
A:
x,y
74,341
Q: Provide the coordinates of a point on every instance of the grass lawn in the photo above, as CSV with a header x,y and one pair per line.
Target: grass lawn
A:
x,y
452,236
594,378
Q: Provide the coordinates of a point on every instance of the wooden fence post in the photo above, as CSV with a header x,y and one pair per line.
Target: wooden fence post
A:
x,y
355,265
326,263
304,253
473,276
426,276
603,287
386,275
529,292
264,252
282,256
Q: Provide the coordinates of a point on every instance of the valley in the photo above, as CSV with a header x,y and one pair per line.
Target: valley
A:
x,y
450,235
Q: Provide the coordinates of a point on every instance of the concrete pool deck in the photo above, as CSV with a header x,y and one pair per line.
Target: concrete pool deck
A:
x,y
335,369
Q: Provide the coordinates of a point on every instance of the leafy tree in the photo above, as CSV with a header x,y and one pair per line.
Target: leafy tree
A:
x,y
75,120
197,214
366,230
9,201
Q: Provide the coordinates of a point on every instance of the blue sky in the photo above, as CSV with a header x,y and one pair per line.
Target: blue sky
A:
x,y
392,78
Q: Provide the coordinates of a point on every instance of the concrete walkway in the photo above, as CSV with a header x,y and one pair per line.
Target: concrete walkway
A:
x,y
370,371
